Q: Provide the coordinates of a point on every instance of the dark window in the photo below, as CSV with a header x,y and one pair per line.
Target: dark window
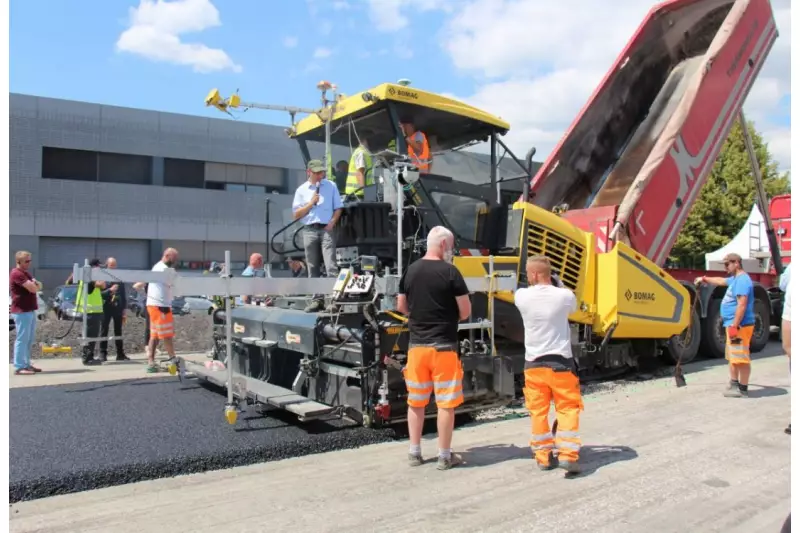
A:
x,y
215,185
66,164
184,173
461,212
126,168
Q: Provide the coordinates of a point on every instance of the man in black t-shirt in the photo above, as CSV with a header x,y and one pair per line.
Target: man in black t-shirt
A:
x,y
435,297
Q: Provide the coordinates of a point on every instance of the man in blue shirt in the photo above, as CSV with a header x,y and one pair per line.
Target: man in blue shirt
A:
x,y
738,320
255,269
318,206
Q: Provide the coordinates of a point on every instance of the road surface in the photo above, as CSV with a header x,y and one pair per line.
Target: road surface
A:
x,y
656,459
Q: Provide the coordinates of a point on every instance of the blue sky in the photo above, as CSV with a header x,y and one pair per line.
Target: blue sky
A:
x,y
532,62
78,60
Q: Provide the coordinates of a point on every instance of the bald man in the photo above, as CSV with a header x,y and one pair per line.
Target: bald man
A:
x,y
114,303
255,269
550,369
159,309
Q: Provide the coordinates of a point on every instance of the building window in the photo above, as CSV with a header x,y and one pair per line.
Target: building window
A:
x,y
125,168
66,164
257,189
238,187
184,173
215,185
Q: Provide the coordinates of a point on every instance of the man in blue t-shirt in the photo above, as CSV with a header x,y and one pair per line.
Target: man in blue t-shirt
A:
x,y
255,269
738,320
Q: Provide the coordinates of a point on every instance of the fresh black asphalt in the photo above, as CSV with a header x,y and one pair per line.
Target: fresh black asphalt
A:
x,y
70,438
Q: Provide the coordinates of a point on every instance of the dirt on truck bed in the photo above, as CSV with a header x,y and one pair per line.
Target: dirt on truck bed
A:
x,y
192,333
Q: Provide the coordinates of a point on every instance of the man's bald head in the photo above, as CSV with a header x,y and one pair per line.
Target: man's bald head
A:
x,y
111,263
256,260
170,256
539,270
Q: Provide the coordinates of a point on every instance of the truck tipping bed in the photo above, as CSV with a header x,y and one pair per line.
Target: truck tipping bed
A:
x,y
641,149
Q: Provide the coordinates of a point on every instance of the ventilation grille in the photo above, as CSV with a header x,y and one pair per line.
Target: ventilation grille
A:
x,y
566,256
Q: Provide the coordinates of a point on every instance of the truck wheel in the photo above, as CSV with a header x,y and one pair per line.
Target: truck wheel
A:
x,y
684,347
713,334
761,330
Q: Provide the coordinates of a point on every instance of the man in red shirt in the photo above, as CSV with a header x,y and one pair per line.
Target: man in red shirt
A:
x,y
23,288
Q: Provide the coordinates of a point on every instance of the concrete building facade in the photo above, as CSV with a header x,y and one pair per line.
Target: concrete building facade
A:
x,y
89,180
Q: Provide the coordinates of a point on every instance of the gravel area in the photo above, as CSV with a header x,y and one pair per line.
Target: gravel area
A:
x,y
78,437
192,334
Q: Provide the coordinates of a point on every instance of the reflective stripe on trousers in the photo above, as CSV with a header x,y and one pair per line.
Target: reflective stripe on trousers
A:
x,y
739,354
543,385
431,370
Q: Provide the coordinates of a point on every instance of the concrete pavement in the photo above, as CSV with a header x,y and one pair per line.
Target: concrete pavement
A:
x,y
657,459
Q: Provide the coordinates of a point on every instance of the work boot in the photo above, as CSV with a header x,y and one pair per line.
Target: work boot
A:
x,y
414,459
551,463
123,357
315,306
733,392
572,467
446,463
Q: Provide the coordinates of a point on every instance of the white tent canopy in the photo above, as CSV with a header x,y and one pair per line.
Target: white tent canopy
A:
x,y
750,243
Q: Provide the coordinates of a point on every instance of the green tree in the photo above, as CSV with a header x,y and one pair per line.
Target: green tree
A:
x,y
727,198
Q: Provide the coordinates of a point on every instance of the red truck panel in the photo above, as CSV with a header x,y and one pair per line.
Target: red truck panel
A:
x,y
647,139
780,211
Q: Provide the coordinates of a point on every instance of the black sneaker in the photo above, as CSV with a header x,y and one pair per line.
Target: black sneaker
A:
x,y
92,362
123,357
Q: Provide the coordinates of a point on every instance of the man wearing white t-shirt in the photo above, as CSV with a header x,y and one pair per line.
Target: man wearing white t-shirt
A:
x,y
550,369
159,309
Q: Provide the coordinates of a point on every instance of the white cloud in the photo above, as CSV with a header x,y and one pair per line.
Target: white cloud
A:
x,y
322,53
387,15
340,5
155,31
536,63
290,42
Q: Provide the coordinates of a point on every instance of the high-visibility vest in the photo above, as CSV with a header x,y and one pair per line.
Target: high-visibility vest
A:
x,y
421,160
352,182
95,300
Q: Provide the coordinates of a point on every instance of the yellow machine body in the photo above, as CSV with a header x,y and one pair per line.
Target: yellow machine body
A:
x,y
618,289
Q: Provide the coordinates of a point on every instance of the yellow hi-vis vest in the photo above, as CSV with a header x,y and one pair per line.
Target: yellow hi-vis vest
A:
x,y
352,182
95,300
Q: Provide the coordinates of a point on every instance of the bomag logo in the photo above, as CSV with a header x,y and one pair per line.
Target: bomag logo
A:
x,y
396,330
405,93
640,297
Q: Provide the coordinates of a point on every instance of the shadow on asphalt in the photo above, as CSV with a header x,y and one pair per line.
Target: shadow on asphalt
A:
x,y
67,371
592,457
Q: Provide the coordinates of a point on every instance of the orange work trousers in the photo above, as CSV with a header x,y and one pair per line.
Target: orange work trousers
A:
x,y
430,370
739,354
543,385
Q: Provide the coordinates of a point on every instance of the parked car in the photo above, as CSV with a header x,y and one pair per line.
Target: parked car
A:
x,y
181,305
63,302
40,312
